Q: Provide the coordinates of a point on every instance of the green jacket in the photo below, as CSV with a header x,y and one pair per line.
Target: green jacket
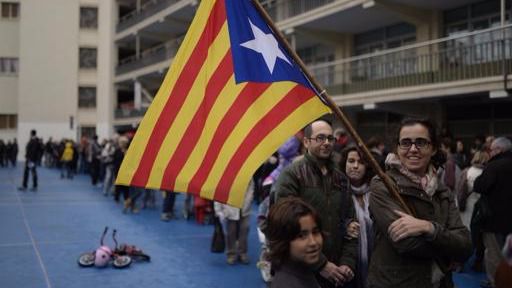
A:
x,y
329,195
410,261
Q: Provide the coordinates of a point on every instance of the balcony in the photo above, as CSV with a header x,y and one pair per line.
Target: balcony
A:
x,y
148,9
281,10
129,113
473,55
149,56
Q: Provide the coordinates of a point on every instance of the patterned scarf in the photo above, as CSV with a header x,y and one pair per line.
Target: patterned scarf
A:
x,y
429,182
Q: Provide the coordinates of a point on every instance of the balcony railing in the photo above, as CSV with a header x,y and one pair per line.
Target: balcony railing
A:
x,y
284,9
149,56
148,9
129,113
473,55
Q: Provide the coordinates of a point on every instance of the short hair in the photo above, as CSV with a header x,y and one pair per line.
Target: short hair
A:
x,y
283,226
343,163
449,143
439,158
503,143
308,130
33,132
374,142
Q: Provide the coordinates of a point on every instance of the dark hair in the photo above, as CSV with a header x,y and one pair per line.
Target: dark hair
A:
x,y
283,226
439,158
449,143
343,163
374,142
308,130
33,132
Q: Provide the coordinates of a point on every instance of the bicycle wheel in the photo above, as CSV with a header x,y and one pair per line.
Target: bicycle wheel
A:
x,y
140,257
86,260
122,261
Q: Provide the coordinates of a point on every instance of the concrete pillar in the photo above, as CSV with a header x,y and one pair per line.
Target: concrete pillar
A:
x,y
137,88
107,55
137,46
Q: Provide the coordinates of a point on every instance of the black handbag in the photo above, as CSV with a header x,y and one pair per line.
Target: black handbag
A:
x,y
218,240
481,213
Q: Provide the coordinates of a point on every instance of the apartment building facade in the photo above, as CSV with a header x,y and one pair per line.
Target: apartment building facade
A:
x,y
9,67
380,60
58,76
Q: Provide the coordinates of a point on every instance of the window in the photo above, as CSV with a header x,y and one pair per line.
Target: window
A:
x,y
271,7
389,65
88,131
87,97
384,38
479,48
89,17
8,121
88,58
318,54
10,10
8,66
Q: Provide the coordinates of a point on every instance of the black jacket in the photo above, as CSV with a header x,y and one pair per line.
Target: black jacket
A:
x,y
294,275
33,150
329,195
495,183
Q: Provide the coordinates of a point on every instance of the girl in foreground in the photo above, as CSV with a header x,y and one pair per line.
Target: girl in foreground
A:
x,y
295,238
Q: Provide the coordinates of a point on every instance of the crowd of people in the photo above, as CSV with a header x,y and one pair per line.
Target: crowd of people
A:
x,y
329,199
100,161
327,218
8,153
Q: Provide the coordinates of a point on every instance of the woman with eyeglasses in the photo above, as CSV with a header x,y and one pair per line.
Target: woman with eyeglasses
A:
x,y
415,250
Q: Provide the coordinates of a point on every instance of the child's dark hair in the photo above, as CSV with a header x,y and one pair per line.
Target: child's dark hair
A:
x,y
283,226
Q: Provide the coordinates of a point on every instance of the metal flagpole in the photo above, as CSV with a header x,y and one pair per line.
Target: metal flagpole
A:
x,y
337,111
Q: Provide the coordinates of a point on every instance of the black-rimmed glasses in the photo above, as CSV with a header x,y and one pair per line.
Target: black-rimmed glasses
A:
x,y
420,143
321,138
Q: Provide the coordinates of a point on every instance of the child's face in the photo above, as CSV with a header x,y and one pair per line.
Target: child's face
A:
x,y
306,248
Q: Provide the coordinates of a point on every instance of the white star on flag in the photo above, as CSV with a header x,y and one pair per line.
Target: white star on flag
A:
x,y
266,45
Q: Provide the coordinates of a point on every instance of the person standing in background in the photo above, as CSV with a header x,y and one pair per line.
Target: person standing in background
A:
x,y
32,152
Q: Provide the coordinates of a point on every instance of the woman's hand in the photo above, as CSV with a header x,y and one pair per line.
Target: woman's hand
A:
x,y
353,229
407,226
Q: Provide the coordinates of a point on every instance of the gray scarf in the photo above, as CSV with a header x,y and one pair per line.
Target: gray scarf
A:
x,y
365,227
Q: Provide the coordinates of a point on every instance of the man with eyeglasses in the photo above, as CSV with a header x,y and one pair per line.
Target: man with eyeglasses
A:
x,y
317,180
494,184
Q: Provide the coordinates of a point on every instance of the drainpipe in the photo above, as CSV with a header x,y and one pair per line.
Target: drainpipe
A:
x,y
503,61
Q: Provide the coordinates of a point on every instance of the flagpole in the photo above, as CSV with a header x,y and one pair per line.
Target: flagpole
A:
x,y
337,111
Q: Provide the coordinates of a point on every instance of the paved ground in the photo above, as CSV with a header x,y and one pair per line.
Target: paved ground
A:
x,y
43,232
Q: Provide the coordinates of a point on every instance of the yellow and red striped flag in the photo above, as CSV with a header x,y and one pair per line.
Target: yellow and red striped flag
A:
x,y
231,97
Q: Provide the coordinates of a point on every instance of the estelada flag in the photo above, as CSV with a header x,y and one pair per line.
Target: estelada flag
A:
x,y
231,97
